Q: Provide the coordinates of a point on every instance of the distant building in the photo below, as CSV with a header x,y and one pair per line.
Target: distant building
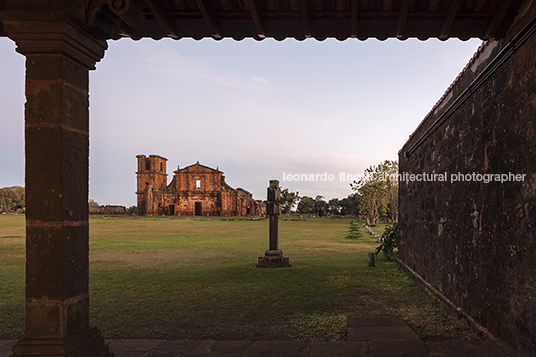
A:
x,y
194,190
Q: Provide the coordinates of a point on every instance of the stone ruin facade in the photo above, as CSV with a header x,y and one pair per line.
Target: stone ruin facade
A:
x,y
194,190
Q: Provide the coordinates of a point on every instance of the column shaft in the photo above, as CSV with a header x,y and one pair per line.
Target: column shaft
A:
x,y
58,60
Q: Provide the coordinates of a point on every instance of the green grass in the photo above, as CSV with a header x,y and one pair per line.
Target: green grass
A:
x,y
189,279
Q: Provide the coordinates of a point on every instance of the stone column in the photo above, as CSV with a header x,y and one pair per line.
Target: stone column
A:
x,y
58,60
273,208
273,257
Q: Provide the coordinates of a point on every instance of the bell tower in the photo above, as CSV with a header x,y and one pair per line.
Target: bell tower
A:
x,y
151,172
151,175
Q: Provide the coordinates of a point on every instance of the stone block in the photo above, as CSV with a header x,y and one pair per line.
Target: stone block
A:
x,y
338,349
277,349
399,349
273,259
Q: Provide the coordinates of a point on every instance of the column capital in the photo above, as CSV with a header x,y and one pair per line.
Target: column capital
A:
x,y
56,37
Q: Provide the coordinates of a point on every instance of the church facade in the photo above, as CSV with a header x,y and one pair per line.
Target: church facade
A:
x,y
194,190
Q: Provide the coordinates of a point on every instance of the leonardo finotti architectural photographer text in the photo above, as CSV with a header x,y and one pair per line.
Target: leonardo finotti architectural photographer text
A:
x,y
410,177
460,177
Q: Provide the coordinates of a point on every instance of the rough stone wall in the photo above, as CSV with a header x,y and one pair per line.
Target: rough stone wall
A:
x,y
151,170
185,180
227,206
151,176
475,241
247,205
185,203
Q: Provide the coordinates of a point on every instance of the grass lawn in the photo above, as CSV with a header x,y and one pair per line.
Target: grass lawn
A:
x,y
196,279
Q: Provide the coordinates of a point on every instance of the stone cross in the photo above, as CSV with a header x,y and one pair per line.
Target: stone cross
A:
x,y
273,257
272,209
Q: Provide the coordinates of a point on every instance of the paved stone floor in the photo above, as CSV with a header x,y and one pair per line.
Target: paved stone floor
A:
x,y
380,336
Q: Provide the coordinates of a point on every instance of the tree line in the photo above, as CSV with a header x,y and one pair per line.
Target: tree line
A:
x,y
292,202
12,199
96,208
374,197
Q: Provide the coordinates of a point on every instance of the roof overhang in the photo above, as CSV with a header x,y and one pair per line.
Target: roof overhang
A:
x,y
301,19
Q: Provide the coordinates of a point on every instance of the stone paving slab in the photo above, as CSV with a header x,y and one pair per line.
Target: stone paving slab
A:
x,y
245,348
339,349
376,336
379,328
133,348
471,348
278,349
236,347
388,336
6,347
398,349
382,333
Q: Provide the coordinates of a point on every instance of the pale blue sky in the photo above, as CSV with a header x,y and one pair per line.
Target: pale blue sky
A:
x,y
255,109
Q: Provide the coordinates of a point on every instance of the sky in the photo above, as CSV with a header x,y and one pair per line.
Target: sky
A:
x,y
258,111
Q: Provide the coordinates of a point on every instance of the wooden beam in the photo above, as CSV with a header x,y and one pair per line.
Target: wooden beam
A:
x,y
256,18
449,19
387,5
355,11
402,17
305,18
433,5
498,16
206,12
161,17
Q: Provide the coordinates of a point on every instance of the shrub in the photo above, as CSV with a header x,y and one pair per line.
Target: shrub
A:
x,y
390,241
354,230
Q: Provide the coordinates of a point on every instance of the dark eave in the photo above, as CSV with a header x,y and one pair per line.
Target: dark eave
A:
x,y
322,19
279,19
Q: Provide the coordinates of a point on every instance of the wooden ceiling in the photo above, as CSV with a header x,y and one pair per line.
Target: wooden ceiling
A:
x,y
301,19
279,19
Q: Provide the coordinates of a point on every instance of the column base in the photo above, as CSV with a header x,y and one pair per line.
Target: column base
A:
x,y
273,259
85,344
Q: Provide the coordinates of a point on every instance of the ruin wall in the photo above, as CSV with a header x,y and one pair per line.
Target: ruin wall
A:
x,y
474,240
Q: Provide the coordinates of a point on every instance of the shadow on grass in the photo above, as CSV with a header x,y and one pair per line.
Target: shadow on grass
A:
x,y
309,301
183,279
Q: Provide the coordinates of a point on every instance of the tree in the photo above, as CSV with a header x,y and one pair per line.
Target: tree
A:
x,y
350,204
288,199
321,206
378,189
12,198
392,193
307,205
334,206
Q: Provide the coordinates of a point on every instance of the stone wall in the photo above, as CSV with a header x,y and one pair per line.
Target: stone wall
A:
x,y
151,172
474,241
